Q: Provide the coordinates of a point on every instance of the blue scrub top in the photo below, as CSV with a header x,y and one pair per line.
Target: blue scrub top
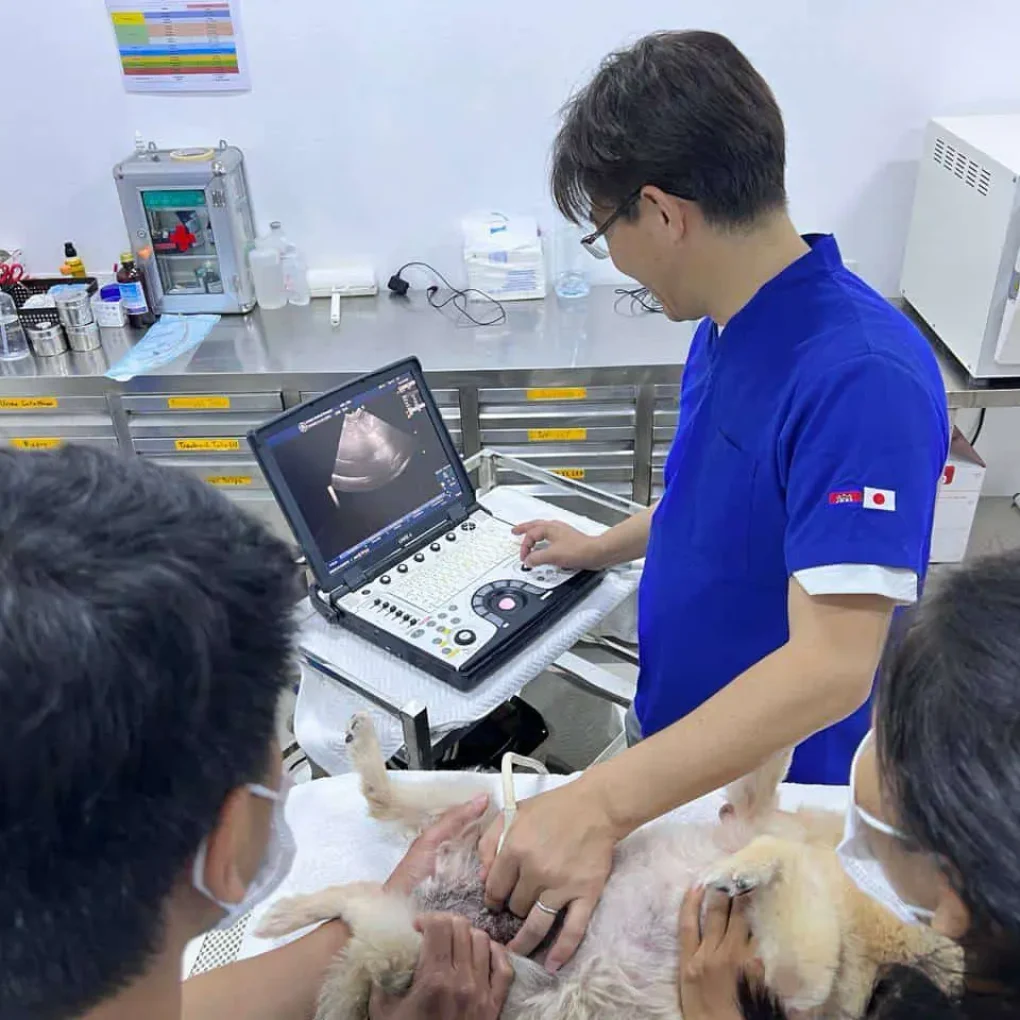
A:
x,y
813,431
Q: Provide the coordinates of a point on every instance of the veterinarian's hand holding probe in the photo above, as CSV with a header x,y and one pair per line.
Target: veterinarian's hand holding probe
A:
x,y
461,975
716,951
560,862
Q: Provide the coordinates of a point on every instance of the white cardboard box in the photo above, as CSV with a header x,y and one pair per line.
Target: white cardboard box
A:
x,y
959,490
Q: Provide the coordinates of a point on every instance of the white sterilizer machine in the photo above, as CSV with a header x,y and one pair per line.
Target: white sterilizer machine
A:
x,y
962,267
189,215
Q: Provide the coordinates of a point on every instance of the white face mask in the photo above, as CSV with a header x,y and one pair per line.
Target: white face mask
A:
x,y
276,863
860,863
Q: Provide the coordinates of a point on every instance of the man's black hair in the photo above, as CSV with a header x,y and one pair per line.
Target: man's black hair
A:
x,y
684,111
145,635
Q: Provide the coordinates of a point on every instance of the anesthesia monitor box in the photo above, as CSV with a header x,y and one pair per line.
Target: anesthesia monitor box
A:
x,y
957,501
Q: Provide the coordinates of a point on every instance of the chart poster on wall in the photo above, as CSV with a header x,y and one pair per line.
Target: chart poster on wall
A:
x,y
180,45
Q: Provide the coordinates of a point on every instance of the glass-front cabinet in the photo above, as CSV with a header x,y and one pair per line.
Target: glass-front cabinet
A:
x,y
189,216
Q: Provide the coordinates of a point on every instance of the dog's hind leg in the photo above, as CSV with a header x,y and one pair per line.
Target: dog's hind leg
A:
x,y
383,949
756,796
414,805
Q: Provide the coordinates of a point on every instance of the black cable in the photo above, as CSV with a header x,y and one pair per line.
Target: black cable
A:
x,y
641,301
980,426
458,298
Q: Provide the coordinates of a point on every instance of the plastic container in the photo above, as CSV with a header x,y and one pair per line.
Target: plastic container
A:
x,y
294,266
109,309
73,265
570,270
13,342
47,339
266,263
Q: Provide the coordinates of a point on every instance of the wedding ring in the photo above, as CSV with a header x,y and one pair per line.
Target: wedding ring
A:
x,y
546,910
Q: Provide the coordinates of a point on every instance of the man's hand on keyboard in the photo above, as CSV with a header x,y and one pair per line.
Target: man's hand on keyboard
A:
x,y
566,547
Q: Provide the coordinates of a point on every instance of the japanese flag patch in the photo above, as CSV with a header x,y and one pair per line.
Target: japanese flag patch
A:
x,y
879,499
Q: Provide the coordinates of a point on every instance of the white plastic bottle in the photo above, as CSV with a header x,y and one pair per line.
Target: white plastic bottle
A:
x,y
267,273
295,267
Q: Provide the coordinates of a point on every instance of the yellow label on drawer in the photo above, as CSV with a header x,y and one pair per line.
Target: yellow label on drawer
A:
x,y
560,393
28,403
554,435
577,474
207,445
37,443
230,481
198,403
128,17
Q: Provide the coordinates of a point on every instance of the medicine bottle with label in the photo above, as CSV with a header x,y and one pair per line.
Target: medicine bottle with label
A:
x,y
134,292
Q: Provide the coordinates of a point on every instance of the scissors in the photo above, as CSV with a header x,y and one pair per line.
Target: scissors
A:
x,y
11,273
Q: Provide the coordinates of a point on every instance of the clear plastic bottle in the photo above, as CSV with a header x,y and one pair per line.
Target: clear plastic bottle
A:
x,y
267,273
13,342
295,267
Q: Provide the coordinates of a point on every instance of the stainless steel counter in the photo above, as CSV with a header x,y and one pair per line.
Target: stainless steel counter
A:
x,y
588,388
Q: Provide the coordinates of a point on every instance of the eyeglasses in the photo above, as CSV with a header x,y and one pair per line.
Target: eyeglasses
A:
x,y
595,242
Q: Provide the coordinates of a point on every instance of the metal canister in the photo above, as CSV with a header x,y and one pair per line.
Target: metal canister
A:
x,y
47,339
84,338
74,307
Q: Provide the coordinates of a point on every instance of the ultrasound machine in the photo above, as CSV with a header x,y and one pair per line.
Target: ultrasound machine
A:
x,y
402,552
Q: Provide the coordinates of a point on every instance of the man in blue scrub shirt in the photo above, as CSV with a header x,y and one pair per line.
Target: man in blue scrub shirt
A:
x,y
800,488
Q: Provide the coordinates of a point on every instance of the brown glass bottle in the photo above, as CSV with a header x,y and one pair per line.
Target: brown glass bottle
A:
x,y
134,292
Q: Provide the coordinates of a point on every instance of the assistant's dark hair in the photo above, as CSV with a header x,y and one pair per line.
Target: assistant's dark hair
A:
x,y
948,741
145,634
684,111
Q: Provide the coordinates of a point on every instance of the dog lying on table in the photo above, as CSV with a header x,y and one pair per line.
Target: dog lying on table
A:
x,y
821,940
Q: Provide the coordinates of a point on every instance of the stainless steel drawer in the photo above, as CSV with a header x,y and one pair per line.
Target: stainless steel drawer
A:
x,y
583,463
45,431
556,394
163,403
52,404
556,416
444,398
231,475
196,433
665,418
667,393
540,435
23,442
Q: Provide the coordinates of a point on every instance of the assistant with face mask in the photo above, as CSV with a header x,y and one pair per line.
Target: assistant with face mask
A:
x,y
934,816
146,633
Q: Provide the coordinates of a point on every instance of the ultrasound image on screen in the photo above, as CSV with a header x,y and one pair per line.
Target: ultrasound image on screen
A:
x,y
361,468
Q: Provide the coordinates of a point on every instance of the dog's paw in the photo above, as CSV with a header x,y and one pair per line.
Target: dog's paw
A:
x,y
359,729
289,915
755,866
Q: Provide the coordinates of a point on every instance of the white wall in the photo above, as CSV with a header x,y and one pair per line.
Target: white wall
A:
x,y
372,126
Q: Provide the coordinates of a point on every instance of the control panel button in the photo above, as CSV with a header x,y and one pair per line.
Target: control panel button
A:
x,y
376,602
454,620
419,557
367,591
507,603
451,537
417,633
465,637
468,526
385,579
402,569
435,547
525,568
437,641
386,605
441,616
414,622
